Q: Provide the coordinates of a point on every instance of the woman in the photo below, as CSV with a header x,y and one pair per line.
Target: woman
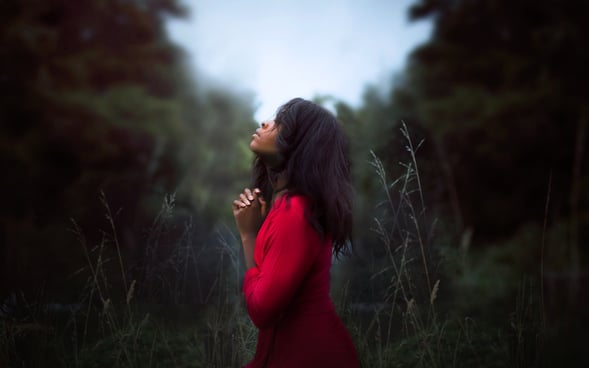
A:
x,y
302,175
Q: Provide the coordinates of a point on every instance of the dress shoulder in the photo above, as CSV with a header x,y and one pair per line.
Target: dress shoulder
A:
x,y
294,203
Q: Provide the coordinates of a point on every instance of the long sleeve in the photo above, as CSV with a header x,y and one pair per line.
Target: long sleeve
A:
x,y
286,249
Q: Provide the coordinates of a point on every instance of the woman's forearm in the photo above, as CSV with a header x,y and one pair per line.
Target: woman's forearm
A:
x,y
249,211
248,243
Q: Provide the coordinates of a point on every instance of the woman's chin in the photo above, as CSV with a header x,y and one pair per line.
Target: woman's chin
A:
x,y
254,147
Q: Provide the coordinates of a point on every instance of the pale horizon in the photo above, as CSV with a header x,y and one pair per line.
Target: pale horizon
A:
x,y
278,50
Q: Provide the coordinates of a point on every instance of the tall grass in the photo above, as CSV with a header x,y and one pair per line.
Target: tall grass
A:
x,y
175,307
180,305
416,321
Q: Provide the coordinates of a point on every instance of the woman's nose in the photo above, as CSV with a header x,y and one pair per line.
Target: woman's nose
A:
x,y
264,124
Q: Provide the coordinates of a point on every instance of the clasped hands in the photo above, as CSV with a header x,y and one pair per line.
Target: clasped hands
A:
x,y
249,211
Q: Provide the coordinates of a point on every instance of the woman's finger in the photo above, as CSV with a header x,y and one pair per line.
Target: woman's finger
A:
x,y
244,199
248,193
260,199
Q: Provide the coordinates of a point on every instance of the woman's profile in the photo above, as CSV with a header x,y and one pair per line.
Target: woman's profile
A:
x,y
297,214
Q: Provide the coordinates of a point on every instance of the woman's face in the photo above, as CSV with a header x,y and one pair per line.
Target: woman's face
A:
x,y
264,139
263,144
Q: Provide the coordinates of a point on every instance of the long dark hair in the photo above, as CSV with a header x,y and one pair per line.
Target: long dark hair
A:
x,y
314,160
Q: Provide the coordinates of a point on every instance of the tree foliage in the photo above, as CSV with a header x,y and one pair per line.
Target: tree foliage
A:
x,y
94,97
499,91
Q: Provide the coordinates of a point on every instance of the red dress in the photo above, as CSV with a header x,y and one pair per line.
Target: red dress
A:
x,y
287,294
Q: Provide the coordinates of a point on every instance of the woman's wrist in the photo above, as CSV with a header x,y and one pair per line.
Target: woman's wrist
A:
x,y
248,238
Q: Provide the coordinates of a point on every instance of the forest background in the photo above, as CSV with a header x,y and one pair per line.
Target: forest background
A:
x,y
119,167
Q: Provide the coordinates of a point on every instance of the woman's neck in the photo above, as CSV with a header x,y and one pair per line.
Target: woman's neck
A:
x,y
279,185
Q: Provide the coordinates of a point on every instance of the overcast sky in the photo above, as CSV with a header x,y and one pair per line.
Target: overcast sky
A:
x,y
277,50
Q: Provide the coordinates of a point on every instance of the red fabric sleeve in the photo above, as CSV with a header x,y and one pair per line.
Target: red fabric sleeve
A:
x,y
291,246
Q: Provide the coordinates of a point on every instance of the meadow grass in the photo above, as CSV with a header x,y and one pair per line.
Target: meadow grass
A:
x,y
433,310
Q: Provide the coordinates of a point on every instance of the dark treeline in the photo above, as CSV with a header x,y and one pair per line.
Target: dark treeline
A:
x,y
98,108
110,144
497,95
